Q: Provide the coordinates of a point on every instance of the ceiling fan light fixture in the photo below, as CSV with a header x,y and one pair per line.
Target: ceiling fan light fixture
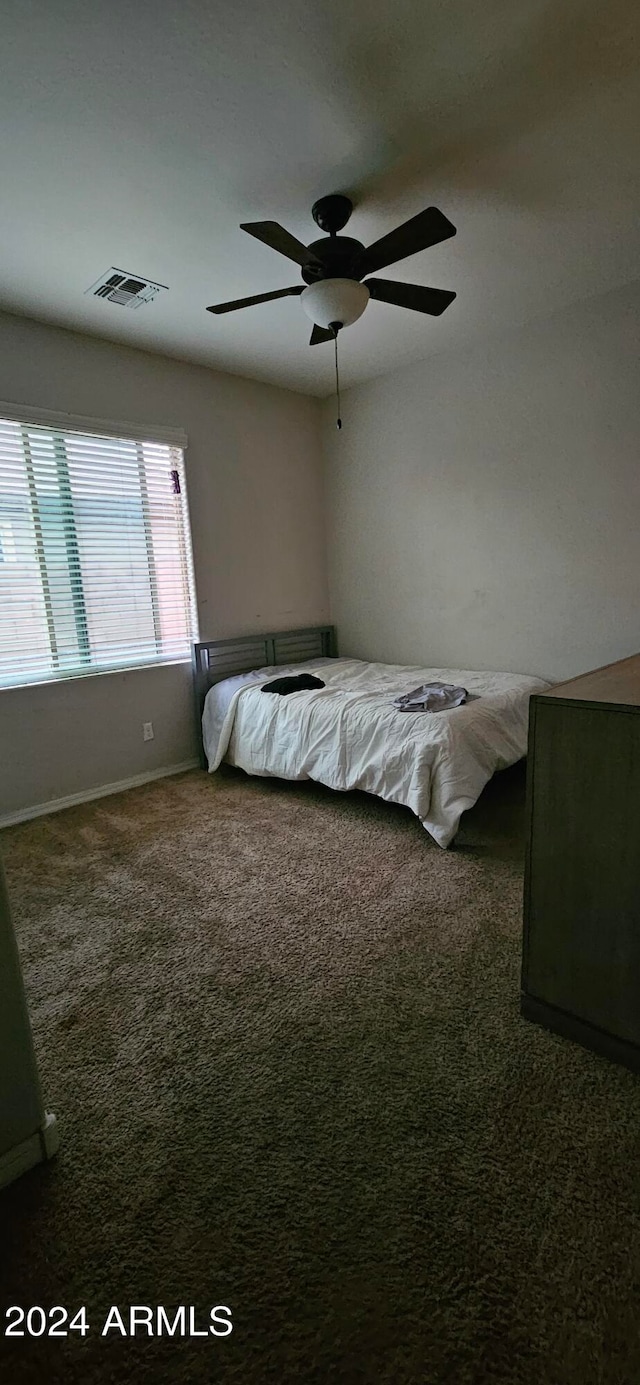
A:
x,y
335,300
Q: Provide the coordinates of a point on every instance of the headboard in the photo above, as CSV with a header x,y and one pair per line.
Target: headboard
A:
x,y
214,660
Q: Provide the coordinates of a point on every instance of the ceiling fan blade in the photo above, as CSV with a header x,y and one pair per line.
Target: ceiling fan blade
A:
x,y
321,334
422,300
425,229
274,235
258,298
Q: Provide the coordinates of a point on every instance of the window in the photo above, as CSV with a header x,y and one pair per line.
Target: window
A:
x,y
95,553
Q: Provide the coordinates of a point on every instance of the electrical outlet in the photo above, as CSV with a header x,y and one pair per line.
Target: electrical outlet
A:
x,y
147,730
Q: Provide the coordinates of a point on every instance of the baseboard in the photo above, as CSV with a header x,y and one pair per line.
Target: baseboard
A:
x,y
54,805
38,1147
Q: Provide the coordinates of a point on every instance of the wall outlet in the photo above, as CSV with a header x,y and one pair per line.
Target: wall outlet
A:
x,y
147,730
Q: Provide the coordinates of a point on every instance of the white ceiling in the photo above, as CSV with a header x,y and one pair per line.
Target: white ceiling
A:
x,y
140,134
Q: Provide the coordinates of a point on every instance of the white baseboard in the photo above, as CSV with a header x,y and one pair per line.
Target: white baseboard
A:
x,y
54,805
42,1145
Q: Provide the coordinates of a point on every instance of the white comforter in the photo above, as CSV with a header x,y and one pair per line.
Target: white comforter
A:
x,y
348,735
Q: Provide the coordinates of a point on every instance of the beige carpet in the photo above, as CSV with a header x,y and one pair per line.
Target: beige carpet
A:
x,y
280,1029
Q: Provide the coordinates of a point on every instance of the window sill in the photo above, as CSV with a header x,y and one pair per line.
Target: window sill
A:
x,y
64,678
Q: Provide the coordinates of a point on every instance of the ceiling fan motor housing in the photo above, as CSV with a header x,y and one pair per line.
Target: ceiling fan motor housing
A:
x,y
336,257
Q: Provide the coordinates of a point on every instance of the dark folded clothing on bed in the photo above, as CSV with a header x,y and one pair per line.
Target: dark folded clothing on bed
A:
x,y
431,697
297,682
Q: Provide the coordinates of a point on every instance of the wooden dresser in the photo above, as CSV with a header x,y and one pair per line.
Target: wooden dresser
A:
x,y
581,955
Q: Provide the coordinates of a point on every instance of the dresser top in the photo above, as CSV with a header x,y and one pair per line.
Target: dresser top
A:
x,y
614,683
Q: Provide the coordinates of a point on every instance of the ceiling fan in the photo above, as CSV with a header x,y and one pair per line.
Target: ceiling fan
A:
x,y
333,294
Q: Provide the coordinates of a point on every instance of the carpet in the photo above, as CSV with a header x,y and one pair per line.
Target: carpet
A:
x,y
280,1030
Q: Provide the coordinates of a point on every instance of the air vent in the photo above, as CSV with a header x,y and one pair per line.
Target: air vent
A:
x,y
129,290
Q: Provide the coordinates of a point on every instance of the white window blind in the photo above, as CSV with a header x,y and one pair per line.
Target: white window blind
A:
x,y
95,553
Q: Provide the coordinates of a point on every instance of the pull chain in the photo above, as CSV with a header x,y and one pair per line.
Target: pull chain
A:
x,y
339,422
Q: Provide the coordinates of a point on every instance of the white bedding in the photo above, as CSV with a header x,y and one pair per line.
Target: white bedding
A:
x,y
348,735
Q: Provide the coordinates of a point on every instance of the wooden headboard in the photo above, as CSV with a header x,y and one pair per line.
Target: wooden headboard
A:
x,y
214,660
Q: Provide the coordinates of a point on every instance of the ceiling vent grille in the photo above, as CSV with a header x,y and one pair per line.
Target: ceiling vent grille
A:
x,y
129,290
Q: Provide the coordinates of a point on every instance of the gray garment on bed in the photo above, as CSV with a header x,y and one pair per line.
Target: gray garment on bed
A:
x,y
431,697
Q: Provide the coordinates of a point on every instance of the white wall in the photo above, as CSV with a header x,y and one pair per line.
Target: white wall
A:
x,y
484,508
254,477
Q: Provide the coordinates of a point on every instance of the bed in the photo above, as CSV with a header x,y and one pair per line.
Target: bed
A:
x,y
348,734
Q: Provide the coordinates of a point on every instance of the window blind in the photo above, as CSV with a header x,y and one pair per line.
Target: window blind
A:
x,y
96,569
